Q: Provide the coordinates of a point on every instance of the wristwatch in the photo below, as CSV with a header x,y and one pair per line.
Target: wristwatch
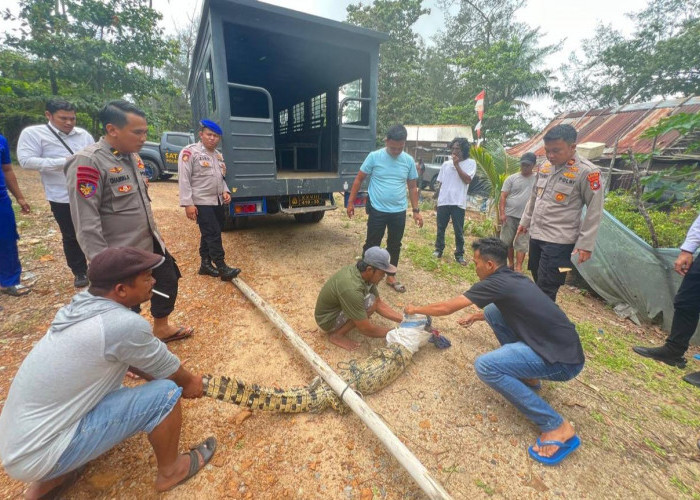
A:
x,y
416,210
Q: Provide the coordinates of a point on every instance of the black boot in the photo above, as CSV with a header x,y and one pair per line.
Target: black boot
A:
x,y
693,378
665,354
227,273
208,269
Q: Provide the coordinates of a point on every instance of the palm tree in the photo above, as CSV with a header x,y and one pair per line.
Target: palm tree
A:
x,y
496,165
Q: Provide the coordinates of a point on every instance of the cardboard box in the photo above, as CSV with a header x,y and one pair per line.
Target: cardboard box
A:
x,y
590,150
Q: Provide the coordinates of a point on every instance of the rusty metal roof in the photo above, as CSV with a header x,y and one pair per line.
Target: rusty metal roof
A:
x,y
623,124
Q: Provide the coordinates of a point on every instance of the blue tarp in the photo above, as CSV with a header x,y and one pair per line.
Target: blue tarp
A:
x,y
631,275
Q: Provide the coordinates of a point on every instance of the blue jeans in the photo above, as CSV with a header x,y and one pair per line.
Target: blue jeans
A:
x,y
119,415
504,368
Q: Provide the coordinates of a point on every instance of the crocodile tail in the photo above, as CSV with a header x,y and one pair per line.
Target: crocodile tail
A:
x,y
313,398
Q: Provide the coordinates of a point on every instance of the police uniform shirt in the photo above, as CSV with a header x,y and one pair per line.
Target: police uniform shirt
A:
x,y
201,176
553,213
109,200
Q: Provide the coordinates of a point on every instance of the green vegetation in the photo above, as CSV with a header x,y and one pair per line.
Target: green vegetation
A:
x,y
684,488
671,226
479,228
657,449
487,489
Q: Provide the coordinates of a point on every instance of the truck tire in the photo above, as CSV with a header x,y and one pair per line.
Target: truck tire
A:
x,y
151,171
433,182
308,218
233,223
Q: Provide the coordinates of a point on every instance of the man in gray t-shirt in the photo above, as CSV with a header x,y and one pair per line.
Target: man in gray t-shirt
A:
x,y
515,194
66,405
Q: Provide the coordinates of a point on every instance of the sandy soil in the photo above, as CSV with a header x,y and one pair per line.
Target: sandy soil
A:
x,y
469,438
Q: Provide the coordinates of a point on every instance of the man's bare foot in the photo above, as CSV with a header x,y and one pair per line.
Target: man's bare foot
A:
x,y
165,481
562,434
56,486
341,340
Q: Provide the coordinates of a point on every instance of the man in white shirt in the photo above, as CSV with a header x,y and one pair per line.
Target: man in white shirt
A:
x,y
686,309
454,178
45,148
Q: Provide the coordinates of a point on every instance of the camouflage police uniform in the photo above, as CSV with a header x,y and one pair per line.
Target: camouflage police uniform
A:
x,y
202,184
110,207
553,219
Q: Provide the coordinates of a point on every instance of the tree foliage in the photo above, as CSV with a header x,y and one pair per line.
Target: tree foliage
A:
x,y
660,58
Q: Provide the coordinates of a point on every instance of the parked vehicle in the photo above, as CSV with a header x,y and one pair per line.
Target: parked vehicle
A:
x,y
296,97
432,170
160,159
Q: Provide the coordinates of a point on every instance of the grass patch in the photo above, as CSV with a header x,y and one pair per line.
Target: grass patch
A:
x,y
678,483
487,489
483,228
597,417
37,251
657,449
680,415
421,256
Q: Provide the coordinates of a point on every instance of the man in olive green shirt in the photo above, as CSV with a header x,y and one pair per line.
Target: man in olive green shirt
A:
x,y
350,296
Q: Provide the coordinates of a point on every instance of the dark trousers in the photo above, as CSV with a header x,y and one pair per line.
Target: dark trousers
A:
x,y
380,222
211,220
10,266
686,312
166,276
444,214
545,260
75,258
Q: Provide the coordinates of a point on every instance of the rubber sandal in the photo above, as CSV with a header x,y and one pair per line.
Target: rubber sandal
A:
x,y
397,286
564,450
16,290
207,449
60,491
181,333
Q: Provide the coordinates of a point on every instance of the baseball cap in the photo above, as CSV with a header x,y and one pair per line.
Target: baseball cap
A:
x,y
115,264
213,126
528,158
379,259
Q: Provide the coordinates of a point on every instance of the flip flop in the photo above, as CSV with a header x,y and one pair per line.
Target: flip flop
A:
x,y
207,449
181,333
59,491
564,450
16,290
397,286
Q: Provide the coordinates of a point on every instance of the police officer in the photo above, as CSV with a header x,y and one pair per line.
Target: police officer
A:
x,y
203,193
110,205
565,183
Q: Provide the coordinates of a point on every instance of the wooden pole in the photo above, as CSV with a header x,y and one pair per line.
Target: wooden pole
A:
x,y
393,445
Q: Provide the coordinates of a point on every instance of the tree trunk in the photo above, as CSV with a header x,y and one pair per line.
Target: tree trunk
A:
x,y
640,204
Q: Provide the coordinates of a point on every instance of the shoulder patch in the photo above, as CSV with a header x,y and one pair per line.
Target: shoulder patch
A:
x,y
594,180
86,188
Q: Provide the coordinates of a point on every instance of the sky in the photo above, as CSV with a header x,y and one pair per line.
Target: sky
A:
x,y
562,22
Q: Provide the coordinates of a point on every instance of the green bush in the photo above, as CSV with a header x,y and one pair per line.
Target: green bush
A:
x,y
671,227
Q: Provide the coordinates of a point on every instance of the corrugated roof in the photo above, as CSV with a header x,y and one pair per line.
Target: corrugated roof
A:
x,y
623,124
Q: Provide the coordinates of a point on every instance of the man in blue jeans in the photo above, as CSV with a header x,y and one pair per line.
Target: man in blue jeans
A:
x,y
391,171
66,405
537,342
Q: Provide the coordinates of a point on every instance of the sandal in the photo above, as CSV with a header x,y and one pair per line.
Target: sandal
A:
x,y
397,286
181,333
16,290
206,449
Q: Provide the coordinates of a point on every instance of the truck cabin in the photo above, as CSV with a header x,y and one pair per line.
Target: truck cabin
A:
x,y
295,93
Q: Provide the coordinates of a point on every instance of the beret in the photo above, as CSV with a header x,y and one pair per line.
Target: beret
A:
x,y
213,126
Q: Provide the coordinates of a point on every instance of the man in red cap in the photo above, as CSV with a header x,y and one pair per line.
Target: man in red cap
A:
x,y
203,192
66,405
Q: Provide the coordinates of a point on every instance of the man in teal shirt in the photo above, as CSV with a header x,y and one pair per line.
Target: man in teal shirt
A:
x,y
390,171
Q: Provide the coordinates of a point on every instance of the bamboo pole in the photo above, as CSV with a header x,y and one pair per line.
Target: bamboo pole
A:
x,y
393,445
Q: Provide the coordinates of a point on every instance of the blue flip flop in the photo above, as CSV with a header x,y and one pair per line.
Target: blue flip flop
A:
x,y
564,450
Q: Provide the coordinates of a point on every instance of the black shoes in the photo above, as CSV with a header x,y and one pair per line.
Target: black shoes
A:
x,y
694,379
663,354
208,269
227,273
81,280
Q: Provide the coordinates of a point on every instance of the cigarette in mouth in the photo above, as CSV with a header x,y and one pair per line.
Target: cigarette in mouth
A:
x,y
160,293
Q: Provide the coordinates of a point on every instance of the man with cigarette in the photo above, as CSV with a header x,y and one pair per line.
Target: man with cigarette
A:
x,y
350,297
565,183
110,205
201,175
66,405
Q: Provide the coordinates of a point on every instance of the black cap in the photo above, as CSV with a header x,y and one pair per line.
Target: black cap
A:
x,y
114,265
528,158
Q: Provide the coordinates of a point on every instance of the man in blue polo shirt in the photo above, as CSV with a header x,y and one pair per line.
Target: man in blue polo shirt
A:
x,y
537,342
390,171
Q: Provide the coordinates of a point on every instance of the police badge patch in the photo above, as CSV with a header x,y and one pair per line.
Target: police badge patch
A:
x,y
86,188
124,188
594,181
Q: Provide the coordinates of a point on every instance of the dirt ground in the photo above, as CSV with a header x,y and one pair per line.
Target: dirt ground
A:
x,y
638,422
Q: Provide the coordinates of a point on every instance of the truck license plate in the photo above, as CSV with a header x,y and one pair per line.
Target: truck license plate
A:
x,y
305,200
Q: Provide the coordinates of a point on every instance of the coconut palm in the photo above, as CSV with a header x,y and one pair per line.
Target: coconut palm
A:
x,y
495,165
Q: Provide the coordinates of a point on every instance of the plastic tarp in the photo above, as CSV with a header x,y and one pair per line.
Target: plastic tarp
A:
x,y
631,275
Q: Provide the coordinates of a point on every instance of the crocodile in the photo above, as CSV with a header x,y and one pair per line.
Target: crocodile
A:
x,y
367,376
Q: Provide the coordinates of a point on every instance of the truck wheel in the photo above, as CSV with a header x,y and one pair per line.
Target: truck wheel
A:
x,y
232,223
309,217
433,182
151,171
